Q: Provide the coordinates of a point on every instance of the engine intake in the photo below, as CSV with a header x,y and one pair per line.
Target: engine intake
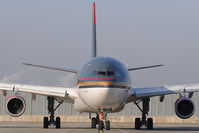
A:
x,y
15,105
184,107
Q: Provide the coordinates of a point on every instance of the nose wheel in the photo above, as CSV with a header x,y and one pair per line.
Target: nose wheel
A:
x,y
93,122
101,120
101,125
107,123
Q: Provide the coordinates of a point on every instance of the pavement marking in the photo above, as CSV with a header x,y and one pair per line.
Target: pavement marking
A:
x,y
121,130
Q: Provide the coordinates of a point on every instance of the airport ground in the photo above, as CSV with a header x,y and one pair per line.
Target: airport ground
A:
x,y
74,127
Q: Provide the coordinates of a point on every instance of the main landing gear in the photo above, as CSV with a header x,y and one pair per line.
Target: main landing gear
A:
x,y
101,120
51,121
148,122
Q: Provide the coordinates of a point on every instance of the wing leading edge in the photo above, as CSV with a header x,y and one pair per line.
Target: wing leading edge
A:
x,y
145,67
66,93
52,68
136,93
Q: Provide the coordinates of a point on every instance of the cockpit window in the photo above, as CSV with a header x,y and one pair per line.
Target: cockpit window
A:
x,y
110,73
101,73
95,73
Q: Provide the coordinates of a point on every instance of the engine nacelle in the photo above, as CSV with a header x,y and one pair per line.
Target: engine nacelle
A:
x,y
184,107
15,105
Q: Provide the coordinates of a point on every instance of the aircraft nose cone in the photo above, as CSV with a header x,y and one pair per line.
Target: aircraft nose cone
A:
x,y
109,98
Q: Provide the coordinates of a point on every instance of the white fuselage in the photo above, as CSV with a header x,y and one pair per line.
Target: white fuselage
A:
x,y
91,99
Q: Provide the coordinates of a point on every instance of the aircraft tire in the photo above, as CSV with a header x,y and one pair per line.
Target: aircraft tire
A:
x,y
137,123
97,119
45,122
107,125
101,125
93,123
58,122
150,124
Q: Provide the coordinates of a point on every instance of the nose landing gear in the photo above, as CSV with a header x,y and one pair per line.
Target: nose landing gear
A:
x,y
101,120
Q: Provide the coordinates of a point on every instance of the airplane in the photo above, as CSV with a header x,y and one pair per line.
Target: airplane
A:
x,y
103,86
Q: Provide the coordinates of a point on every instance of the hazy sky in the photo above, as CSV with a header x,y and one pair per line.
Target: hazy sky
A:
x,y
136,32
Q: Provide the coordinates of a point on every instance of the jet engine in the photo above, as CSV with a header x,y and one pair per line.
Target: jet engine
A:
x,y
15,105
184,107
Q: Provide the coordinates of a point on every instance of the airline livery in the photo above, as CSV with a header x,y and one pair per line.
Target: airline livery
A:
x,y
103,86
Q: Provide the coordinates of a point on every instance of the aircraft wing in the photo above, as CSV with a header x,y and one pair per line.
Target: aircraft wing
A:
x,y
137,93
53,68
139,68
68,94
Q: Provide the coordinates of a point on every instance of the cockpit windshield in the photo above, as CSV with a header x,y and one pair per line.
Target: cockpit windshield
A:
x,y
110,73
104,73
101,73
104,69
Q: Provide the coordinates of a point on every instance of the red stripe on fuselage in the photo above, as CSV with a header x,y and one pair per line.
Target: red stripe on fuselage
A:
x,y
97,78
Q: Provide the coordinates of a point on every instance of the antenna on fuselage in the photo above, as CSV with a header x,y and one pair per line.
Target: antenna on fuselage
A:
x,y
94,42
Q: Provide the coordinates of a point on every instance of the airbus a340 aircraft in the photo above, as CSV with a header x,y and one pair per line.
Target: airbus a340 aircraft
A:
x,y
103,86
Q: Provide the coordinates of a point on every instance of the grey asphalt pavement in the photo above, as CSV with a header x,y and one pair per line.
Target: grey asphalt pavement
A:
x,y
22,127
